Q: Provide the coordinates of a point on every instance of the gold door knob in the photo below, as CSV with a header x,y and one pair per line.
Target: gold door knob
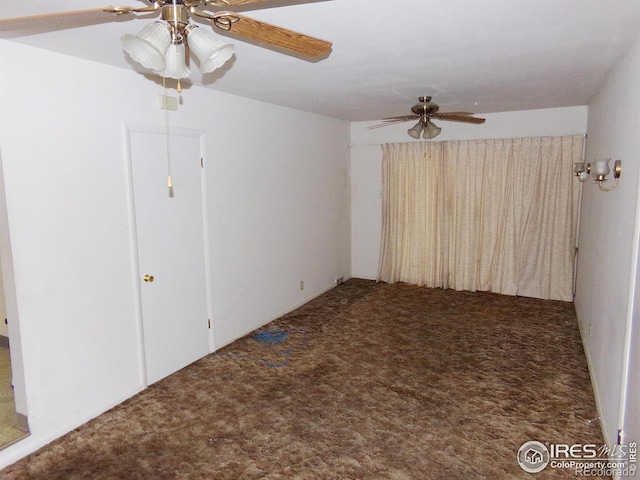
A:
x,y
148,278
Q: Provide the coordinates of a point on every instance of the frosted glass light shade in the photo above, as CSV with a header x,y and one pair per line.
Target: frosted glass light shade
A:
x,y
431,130
580,171
176,62
415,131
148,47
210,52
601,169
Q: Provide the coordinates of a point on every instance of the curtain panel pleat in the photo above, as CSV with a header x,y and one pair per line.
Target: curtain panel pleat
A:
x,y
490,215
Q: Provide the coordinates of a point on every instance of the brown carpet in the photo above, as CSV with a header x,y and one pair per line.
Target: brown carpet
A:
x,y
377,382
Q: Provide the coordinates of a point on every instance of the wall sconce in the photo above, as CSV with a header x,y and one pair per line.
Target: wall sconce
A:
x,y
601,169
581,171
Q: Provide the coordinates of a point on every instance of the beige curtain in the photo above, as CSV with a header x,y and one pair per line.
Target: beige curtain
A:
x,y
490,215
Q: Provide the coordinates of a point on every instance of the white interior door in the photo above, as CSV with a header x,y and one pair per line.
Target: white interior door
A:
x,y
169,226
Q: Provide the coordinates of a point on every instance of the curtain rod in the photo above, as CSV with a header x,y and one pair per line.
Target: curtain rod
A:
x,y
351,145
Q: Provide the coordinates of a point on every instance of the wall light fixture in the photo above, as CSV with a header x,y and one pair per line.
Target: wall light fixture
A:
x,y
601,170
580,170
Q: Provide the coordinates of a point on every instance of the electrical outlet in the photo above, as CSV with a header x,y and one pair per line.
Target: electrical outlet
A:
x,y
301,285
339,281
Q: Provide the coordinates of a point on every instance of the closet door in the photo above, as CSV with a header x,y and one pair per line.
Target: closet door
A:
x,y
169,226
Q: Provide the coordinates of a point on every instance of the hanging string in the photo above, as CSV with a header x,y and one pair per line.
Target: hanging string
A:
x,y
168,140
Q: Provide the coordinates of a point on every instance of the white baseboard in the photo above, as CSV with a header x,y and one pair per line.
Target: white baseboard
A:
x,y
298,304
594,386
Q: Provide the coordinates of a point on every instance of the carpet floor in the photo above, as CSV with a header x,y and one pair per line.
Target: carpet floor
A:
x,y
368,381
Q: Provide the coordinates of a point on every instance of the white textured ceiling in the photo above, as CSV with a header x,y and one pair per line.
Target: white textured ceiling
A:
x,y
480,56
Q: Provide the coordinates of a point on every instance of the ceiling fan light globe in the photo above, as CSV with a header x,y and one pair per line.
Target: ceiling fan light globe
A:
x,y
218,59
176,62
415,131
210,52
431,131
148,47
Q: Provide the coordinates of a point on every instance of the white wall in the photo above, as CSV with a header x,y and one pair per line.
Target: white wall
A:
x,y
280,209
278,206
366,161
608,246
4,330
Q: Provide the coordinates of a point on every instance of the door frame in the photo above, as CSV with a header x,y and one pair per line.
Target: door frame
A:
x,y
18,379
127,130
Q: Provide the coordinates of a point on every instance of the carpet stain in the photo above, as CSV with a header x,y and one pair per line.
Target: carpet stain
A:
x,y
377,381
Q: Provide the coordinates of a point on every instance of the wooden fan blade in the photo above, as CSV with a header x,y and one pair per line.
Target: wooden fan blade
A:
x,y
371,127
252,4
19,23
270,34
232,3
48,22
390,122
403,118
459,118
455,113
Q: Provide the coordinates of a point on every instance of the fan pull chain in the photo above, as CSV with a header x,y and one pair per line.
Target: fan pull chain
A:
x,y
168,141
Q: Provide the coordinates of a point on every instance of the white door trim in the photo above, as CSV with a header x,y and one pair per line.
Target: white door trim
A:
x,y
127,130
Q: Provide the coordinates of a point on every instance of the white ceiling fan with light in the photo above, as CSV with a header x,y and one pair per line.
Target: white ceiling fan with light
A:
x,y
424,111
163,45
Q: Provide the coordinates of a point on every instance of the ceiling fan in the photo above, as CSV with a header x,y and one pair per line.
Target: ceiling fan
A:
x,y
424,111
163,46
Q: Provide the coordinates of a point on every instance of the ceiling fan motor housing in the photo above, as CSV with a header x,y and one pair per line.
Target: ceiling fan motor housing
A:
x,y
425,107
176,14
